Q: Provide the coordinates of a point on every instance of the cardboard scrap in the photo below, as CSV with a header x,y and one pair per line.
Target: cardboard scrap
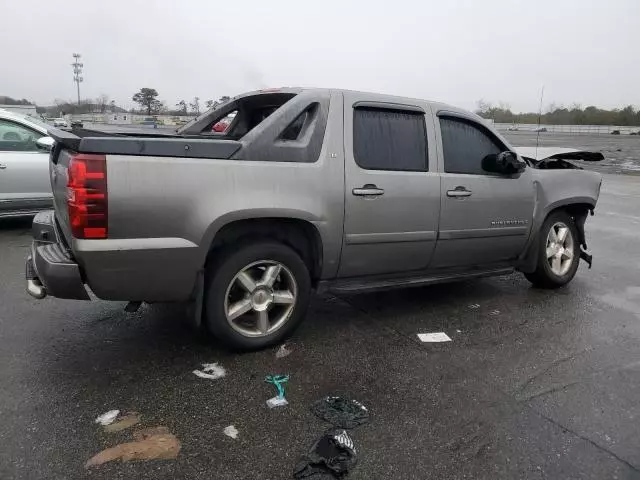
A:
x,y
155,443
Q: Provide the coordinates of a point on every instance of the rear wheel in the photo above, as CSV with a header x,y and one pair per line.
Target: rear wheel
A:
x,y
559,252
256,295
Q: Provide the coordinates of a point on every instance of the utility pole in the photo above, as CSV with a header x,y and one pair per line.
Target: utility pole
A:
x,y
77,70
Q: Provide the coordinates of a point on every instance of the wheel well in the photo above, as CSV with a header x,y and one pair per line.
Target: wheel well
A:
x,y
300,235
579,213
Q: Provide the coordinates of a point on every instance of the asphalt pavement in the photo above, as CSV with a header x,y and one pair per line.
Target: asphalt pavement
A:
x,y
534,384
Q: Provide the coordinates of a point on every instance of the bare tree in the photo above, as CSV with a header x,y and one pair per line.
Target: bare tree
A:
x,y
195,105
101,103
158,107
182,106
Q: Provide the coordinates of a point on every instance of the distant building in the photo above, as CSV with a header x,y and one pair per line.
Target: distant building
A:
x,y
22,109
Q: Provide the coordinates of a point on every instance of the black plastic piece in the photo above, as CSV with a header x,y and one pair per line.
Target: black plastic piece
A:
x,y
43,229
160,147
52,263
586,257
132,306
165,146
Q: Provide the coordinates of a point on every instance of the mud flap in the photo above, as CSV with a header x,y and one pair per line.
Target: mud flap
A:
x,y
580,221
586,257
195,307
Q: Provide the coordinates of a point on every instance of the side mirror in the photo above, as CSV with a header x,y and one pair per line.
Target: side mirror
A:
x,y
45,143
505,163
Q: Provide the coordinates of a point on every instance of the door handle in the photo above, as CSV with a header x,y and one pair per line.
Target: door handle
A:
x,y
459,192
368,190
2,166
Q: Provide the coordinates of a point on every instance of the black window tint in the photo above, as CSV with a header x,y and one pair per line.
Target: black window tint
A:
x,y
389,140
465,145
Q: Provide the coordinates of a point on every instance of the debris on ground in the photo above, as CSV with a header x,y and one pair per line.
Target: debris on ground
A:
x,y
278,381
341,412
108,417
150,444
128,420
231,431
283,351
211,371
458,330
434,337
333,454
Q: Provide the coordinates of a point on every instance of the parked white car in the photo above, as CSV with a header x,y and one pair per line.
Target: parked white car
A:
x,y
60,122
25,187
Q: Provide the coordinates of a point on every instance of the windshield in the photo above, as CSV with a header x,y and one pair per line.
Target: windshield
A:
x,y
34,120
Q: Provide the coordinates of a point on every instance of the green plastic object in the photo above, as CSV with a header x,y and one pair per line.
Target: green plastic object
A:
x,y
278,381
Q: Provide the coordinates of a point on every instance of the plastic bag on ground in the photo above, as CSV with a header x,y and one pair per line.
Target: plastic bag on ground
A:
x,y
341,412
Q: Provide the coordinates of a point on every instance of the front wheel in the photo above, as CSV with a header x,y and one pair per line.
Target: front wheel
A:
x,y
256,295
559,252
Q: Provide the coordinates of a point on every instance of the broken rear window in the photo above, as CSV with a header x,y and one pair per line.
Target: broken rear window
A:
x,y
238,117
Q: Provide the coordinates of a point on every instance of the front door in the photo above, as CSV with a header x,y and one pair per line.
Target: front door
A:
x,y
485,218
392,190
24,170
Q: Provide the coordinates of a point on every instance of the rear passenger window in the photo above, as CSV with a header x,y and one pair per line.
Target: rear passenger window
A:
x,y
386,139
465,144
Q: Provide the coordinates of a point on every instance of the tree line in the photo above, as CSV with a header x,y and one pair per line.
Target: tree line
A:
x,y
4,100
561,115
146,98
149,103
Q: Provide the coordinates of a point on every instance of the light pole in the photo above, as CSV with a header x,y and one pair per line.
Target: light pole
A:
x,y
77,70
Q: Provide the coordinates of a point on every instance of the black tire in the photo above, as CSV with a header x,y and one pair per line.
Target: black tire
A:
x,y
223,269
543,276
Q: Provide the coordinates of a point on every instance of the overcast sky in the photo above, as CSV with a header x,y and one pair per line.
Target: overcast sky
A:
x,y
455,51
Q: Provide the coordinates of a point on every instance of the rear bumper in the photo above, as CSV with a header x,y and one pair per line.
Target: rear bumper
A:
x,y
51,268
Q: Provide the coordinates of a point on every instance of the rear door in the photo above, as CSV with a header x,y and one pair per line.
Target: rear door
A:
x,y
24,169
485,217
392,193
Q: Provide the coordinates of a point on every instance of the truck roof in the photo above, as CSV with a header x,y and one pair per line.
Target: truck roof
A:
x,y
383,97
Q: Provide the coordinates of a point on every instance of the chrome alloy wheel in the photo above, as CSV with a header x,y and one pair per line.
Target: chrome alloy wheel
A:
x,y
260,298
560,248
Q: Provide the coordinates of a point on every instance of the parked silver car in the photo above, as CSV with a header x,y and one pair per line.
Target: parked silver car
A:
x,y
25,187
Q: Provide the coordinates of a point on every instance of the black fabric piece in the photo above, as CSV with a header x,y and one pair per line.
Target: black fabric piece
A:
x,y
341,412
332,456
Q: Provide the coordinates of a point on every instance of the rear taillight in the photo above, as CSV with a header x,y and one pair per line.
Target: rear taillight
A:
x,y
87,195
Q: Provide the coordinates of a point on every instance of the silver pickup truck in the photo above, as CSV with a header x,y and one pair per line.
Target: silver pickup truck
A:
x,y
252,206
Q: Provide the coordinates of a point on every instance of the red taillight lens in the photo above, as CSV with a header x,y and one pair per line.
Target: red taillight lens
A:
x,y
87,195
